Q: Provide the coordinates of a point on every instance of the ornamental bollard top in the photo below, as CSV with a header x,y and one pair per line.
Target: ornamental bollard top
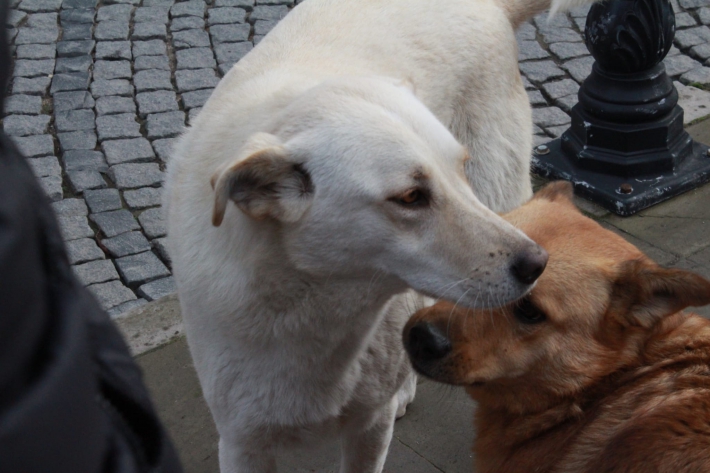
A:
x,y
626,148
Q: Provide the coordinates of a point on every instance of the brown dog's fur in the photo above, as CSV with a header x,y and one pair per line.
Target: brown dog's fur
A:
x,y
614,379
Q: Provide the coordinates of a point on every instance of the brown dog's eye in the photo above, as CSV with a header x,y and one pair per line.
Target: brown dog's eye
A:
x,y
412,198
528,313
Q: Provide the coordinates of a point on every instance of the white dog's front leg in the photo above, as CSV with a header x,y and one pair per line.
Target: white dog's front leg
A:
x,y
236,459
364,445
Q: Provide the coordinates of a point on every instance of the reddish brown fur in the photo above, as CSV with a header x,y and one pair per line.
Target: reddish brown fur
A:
x,y
615,380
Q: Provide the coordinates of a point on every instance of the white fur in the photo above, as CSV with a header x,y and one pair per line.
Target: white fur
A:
x,y
294,305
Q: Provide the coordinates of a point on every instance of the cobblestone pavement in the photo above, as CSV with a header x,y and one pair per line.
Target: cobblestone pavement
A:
x,y
101,89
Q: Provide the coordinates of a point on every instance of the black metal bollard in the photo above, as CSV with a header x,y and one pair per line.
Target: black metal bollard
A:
x,y
626,148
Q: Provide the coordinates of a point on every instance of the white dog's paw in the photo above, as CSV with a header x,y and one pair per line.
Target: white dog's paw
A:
x,y
405,395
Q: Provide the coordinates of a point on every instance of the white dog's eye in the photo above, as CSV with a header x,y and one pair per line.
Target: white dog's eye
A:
x,y
412,198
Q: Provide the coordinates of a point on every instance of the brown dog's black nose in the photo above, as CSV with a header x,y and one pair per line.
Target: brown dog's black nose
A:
x,y
426,343
530,265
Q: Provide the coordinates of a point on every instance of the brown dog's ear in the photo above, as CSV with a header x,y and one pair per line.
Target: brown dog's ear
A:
x,y
644,293
262,182
557,191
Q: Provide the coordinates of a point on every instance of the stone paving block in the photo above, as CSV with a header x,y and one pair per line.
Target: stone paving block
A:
x,y
526,32
151,15
103,88
81,4
135,175
82,15
157,289
545,22
23,104
579,68
673,52
190,8
161,246
153,222
129,243
84,160
224,68
10,35
695,77
70,207
165,125
74,120
536,98
231,53
561,88
677,65
74,227
566,103
52,187
703,15
113,50
262,27
229,33
47,166
701,51
692,37
103,200
27,35
195,99
75,48
14,18
116,12
70,81
153,47
24,125
158,3
35,146
695,102
123,125
550,116
692,3
73,64
246,4
35,86
95,272
187,23
125,151
110,105
268,12
226,15
111,294
77,140
141,268
143,63
121,310
556,131
561,35
192,115
566,51
156,102
541,71
143,198
191,39
42,20
196,79
83,250
111,30
112,70
146,81
33,67
164,148
77,31
195,58
84,180
36,51
684,20
528,50
115,222
33,6
142,31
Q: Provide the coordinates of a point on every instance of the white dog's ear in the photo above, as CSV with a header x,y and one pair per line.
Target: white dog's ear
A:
x,y
263,182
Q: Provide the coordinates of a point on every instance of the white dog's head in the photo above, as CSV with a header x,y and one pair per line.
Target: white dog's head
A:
x,y
363,180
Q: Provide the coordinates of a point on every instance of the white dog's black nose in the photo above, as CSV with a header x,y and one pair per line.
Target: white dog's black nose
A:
x,y
426,343
530,265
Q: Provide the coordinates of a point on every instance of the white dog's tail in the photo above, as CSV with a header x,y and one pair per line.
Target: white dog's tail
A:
x,y
521,10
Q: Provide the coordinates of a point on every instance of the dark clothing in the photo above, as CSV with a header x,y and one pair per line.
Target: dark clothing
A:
x,y
71,397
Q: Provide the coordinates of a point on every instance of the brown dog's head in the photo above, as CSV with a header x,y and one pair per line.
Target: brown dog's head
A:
x,y
589,314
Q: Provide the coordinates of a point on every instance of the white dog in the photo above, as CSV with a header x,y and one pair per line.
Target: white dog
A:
x,y
362,142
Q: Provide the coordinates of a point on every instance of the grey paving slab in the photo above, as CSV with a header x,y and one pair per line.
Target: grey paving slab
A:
x,y
74,120
153,223
122,125
79,4
121,310
35,146
111,30
143,63
165,125
191,39
77,140
530,50
157,289
156,102
68,207
82,180
95,272
141,268
14,18
116,12
187,23
33,67
151,15
103,200
562,88
36,51
268,12
540,71
246,4
262,27
125,151
189,8
579,68
115,222
23,104
77,31
229,33
566,103
160,245
70,81
74,64
153,47
112,104
163,148
28,35
192,115
142,31
24,125
699,76
129,243
677,65
143,198
47,166
84,160
195,58
112,70
52,187
233,52
550,116
75,48
34,86
113,50
74,227
195,79
135,175
40,5
226,15
154,79
82,15
196,98
103,88
111,294
83,250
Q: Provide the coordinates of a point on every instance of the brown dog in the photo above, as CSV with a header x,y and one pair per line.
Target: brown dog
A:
x,y
596,370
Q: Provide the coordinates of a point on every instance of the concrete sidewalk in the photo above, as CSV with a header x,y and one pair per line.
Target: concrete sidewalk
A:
x,y
436,434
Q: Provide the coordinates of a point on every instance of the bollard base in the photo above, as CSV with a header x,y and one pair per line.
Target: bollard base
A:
x,y
608,190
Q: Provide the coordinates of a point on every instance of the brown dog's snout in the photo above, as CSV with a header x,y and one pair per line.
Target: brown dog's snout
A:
x,y
426,344
529,265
